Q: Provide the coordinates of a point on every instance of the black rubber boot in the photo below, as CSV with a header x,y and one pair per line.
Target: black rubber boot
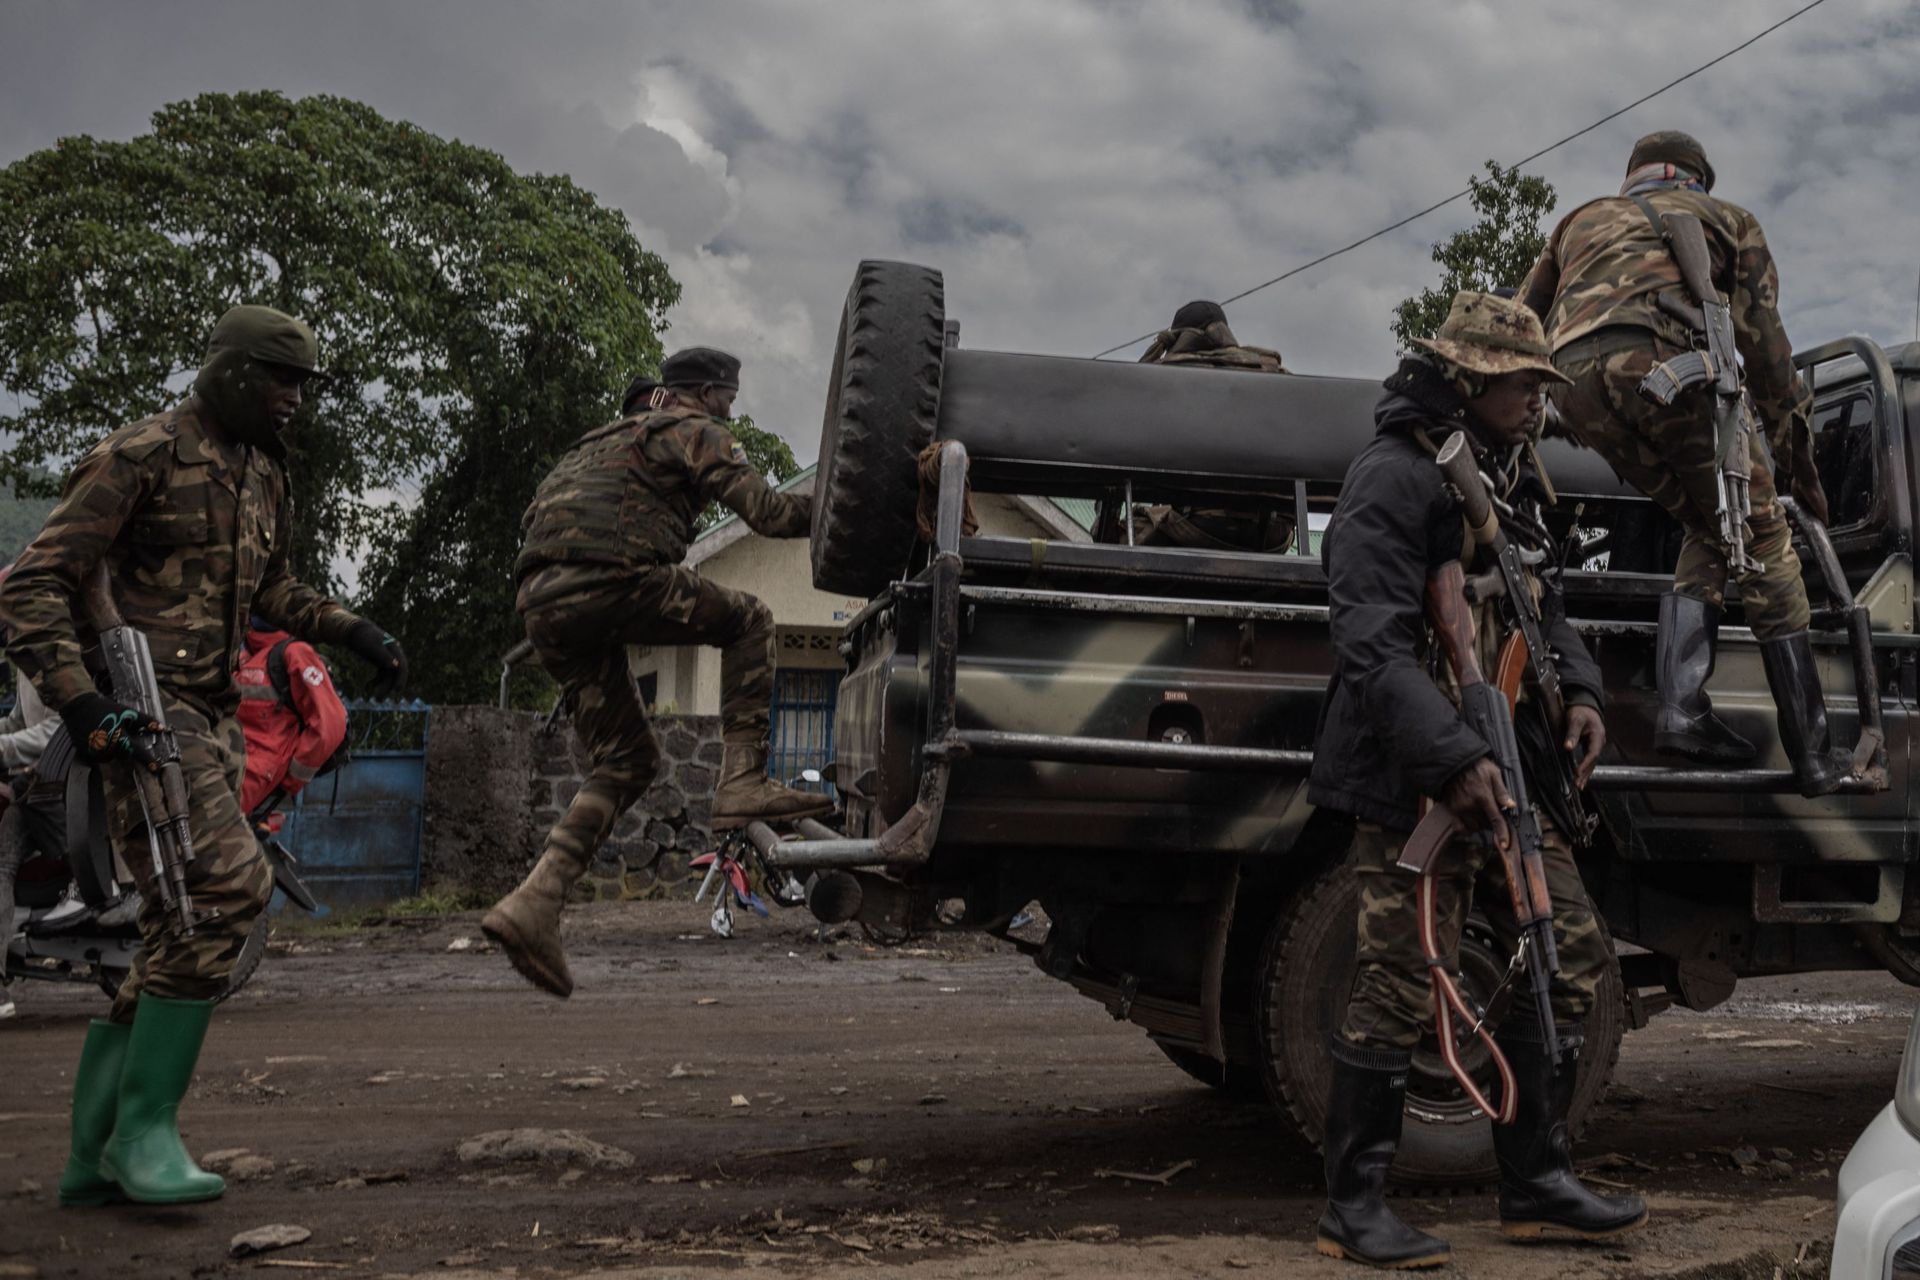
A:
x,y
1688,643
1541,1197
1818,766
1363,1132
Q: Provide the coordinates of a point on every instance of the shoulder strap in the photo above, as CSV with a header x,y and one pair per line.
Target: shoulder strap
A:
x,y
1654,220
1469,546
277,673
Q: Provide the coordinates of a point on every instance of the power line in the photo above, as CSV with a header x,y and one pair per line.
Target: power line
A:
x,y
1524,160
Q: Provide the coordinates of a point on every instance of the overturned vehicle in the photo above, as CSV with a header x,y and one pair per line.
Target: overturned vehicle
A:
x,y
1122,732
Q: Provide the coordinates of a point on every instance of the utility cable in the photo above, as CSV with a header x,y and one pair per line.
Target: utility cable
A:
x,y
1459,195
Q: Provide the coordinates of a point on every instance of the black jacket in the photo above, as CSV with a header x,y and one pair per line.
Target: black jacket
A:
x,y
1388,735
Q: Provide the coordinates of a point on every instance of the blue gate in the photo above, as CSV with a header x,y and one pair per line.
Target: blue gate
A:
x,y
803,705
355,833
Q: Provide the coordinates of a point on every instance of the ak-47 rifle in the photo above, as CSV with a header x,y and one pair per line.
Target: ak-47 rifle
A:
x,y
1525,651
1715,362
161,786
1486,710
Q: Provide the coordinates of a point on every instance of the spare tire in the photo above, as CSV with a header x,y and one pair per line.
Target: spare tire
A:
x,y
882,405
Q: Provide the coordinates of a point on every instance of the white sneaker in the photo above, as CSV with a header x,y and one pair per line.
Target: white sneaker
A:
x,y
6,1008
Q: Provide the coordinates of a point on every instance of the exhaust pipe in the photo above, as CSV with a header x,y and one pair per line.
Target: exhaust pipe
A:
x,y
835,897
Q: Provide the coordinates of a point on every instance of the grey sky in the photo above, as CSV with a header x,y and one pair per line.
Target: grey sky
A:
x,y
1077,169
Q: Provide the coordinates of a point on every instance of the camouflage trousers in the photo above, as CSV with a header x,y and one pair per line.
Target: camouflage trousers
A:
x,y
229,875
582,640
1668,454
1392,1000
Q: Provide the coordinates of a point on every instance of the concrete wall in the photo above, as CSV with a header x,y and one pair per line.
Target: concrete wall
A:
x,y
497,780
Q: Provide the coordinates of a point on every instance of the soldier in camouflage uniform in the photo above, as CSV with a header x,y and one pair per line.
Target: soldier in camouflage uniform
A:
x,y
600,570
1391,735
1200,339
1597,285
189,513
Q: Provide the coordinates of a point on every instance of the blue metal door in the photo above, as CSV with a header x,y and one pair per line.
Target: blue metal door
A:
x,y
803,704
355,833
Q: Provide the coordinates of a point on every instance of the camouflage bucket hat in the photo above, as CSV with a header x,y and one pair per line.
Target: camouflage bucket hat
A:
x,y
1493,336
270,336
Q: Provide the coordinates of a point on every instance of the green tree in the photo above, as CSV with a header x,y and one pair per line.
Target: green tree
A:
x,y
472,320
1495,252
767,452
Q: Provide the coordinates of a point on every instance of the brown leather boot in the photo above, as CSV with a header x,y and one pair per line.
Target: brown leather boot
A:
x,y
746,794
526,923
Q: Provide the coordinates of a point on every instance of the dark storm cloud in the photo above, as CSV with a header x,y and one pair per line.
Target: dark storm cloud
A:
x,y
1076,169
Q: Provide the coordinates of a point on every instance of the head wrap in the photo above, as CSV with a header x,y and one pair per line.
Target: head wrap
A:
x,y
1670,146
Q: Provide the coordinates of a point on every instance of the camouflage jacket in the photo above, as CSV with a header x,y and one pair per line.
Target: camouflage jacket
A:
x,y
628,494
194,533
1604,265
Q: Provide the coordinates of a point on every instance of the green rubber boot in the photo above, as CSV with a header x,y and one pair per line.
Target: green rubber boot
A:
x,y
96,1097
145,1155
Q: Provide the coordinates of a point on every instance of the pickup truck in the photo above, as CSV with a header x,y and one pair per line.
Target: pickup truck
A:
x,y
1121,733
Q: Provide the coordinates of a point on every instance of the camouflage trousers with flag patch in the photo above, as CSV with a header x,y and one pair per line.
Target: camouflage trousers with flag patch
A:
x,y
1392,1000
581,620
229,878
1668,454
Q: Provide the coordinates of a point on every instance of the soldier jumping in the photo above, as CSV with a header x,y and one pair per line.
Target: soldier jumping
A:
x,y
1606,286
600,570
188,511
1389,737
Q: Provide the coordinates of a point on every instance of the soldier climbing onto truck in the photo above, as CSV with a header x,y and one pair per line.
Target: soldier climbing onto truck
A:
x,y
1609,286
600,570
1389,737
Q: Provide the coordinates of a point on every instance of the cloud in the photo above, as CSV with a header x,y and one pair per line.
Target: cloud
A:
x,y
1077,169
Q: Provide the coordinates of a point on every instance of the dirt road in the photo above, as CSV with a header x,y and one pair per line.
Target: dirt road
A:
x,y
788,1105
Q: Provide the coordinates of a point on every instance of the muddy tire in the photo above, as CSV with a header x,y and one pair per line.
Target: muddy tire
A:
x,y
882,404
1306,971
1235,1081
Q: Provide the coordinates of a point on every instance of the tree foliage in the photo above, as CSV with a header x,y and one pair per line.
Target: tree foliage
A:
x,y
472,322
1495,252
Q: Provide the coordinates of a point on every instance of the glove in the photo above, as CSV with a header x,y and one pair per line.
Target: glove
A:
x,y
104,730
372,644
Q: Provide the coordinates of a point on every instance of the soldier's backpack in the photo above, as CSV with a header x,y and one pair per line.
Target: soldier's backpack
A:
x,y
282,681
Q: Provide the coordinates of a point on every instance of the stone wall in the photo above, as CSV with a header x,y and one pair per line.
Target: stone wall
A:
x,y
497,780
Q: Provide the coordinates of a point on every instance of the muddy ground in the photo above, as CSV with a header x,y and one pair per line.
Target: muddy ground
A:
x,y
794,1106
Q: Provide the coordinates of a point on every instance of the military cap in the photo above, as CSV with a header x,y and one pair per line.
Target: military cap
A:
x,y
1670,146
1198,315
267,335
700,366
1493,336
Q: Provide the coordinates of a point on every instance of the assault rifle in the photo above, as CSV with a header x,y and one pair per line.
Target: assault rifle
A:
x,y
1526,648
161,787
1714,362
1486,710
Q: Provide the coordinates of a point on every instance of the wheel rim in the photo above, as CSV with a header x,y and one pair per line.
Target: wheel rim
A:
x,y
1432,1093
